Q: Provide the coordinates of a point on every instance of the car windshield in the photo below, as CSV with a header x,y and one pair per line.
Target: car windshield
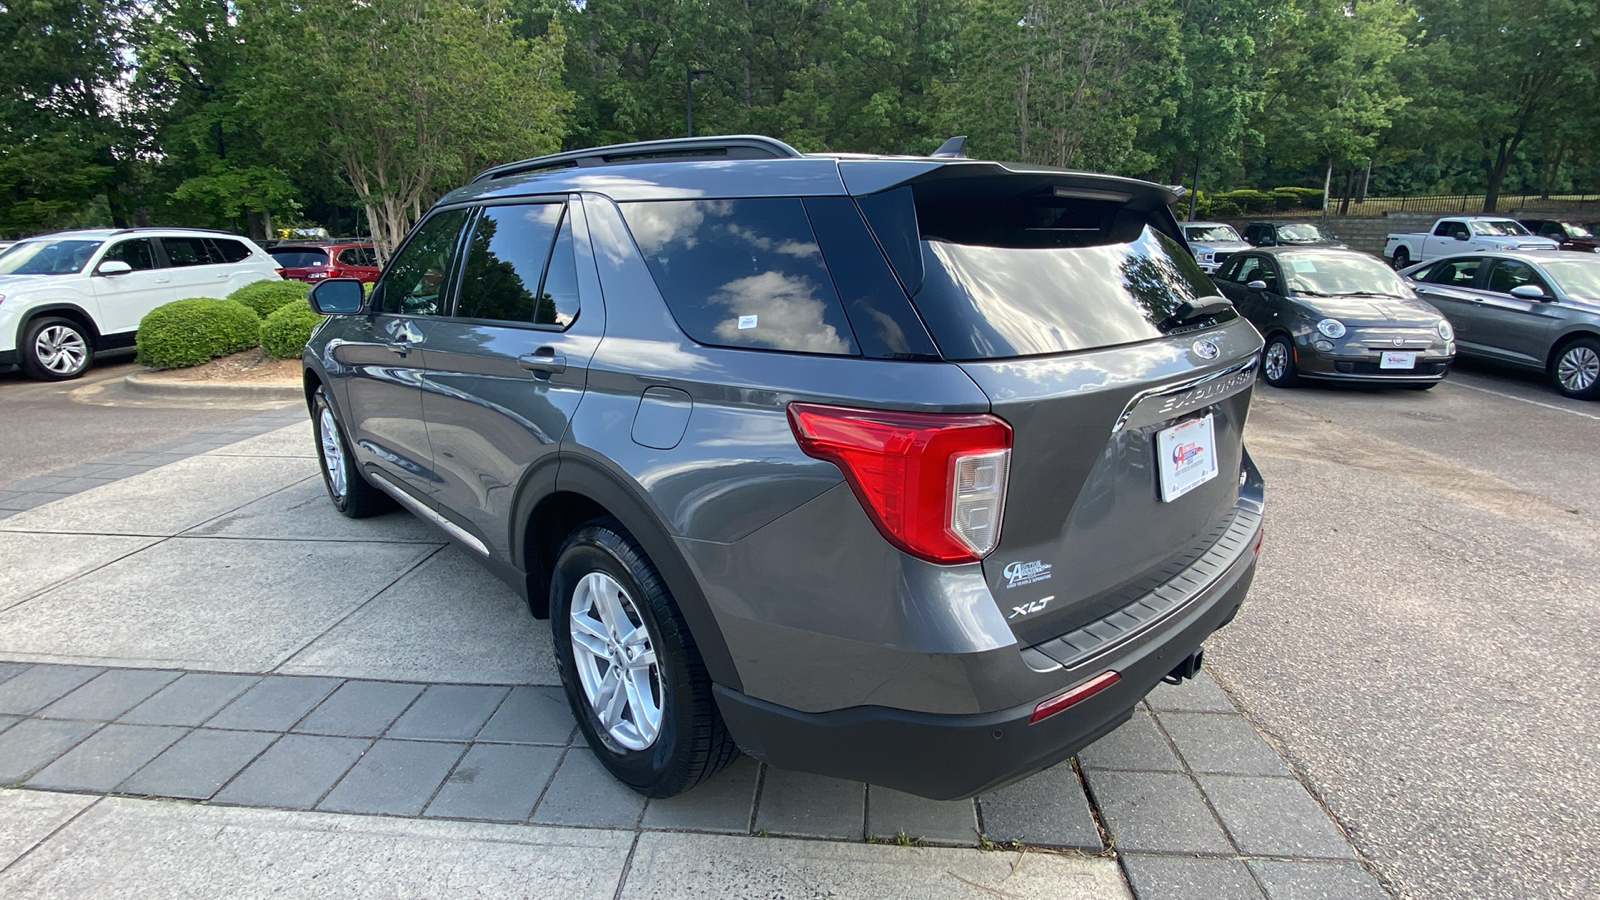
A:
x,y
47,257
1301,233
1332,274
1211,233
1577,230
1576,277
1498,227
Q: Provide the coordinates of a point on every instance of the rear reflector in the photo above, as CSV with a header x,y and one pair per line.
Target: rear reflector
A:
x,y
1095,685
1260,536
934,484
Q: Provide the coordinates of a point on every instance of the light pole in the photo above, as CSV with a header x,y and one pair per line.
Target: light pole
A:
x,y
689,75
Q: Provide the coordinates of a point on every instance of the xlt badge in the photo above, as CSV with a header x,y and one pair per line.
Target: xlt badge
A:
x,y
1028,609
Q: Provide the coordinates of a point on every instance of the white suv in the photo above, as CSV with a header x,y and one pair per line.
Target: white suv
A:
x,y
65,296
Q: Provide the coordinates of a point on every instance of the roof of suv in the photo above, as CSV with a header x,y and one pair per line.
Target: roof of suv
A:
x,y
100,234
733,166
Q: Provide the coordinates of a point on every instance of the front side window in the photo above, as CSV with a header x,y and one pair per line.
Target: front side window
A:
x,y
138,254
504,277
414,285
1230,271
1511,273
742,273
47,257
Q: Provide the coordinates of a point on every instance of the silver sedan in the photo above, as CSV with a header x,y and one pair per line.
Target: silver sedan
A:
x,y
1536,309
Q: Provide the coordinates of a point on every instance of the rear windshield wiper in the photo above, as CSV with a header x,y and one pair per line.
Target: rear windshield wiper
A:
x,y
1193,310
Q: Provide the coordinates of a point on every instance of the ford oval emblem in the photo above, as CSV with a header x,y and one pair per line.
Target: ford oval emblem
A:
x,y
1206,349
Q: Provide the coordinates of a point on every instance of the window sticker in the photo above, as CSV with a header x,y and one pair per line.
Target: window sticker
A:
x,y
1303,265
747,322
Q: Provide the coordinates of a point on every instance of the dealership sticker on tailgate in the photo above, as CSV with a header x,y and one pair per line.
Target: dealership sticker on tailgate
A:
x,y
1187,456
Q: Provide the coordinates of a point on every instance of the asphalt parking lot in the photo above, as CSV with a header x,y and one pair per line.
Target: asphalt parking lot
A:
x,y
1416,652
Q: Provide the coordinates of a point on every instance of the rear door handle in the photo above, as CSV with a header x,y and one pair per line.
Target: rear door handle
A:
x,y
544,361
401,348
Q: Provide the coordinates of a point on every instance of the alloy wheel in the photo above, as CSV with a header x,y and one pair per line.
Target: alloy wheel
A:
x,y
61,350
616,661
1277,360
332,452
1578,369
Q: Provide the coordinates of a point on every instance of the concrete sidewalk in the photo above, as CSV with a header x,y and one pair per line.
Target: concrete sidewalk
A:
x,y
320,693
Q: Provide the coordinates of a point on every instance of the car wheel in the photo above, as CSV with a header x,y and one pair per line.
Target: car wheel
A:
x,y
630,667
55,349
1575,371
347,487
1402,258
1277,362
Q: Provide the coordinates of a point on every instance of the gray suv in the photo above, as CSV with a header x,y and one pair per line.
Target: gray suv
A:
x,y
914,471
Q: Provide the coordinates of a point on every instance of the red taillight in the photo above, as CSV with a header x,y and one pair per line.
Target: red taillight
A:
x,y
934,484
1078,694
280,270
1260,536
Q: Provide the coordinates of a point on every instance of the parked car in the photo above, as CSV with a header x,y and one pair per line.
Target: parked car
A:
x,y
1458,234
1568,235
6,245
1534,309
1288,234
920,472
314,262
66,296
1212,243
1337,315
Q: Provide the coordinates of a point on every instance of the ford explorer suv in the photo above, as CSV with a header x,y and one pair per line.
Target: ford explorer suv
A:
x,y
914,471
66,296
1461,234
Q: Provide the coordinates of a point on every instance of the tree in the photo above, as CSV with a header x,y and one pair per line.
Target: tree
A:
x,y
1064,82
407,97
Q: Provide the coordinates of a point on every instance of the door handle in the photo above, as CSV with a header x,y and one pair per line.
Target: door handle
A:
x,y
546,360
402,348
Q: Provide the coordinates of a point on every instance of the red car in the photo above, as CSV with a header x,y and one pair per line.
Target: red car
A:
x,y
314,262
1571,235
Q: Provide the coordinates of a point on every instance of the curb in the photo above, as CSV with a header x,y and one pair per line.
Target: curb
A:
x,y
185,390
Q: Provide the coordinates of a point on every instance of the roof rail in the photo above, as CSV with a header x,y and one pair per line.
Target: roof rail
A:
x,y
138,228
727,146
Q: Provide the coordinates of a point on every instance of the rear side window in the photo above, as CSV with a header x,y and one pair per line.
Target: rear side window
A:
x,y
358,256
224,250
187,251
299,257
1038,273
504,277
742,273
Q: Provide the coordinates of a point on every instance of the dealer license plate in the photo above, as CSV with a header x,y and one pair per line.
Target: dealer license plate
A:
x,y
1398,361
1187,456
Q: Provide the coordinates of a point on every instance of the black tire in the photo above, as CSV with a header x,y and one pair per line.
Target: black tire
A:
x,y
358,499
1575,369
1286,376
692,742
74,349
1402,258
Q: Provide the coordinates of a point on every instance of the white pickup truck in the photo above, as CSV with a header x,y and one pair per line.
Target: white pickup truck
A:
x,y
1461,234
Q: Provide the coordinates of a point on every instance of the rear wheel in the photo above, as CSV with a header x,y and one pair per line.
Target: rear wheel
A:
x,y
1277,362
1575,370
630,667
1402,258
347,487
55,349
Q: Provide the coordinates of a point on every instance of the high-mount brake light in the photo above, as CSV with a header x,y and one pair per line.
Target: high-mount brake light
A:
x,y
933,483
1082,692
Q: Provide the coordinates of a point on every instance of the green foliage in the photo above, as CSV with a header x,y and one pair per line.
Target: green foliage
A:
x,y
285,332
1250,201
190,332
1221,209
1311,198
267,295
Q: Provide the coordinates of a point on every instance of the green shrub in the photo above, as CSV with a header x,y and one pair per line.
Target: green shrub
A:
x,y
285,332
1248,200
1284,200
189,332
1311,198
266,296
1223,209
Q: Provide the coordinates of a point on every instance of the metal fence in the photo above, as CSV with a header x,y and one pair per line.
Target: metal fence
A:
x,y
1466,203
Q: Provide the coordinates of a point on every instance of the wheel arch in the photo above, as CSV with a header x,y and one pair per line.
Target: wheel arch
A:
x,y
70,311
557,499
1566,340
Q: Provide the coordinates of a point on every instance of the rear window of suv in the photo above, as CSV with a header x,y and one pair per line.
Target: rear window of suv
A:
x,y
1039,273
299,257
742,273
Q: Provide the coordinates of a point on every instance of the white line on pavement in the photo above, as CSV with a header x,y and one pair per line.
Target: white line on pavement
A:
x,y
1473,387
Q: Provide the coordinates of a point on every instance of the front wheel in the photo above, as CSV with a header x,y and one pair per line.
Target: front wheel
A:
x,y
632,673
55,349
1575,371
1277,362
347,487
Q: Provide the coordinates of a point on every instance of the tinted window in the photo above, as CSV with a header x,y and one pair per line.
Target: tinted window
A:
x,y
742,273
187,251
139,254
1230,271
558,301
415,282
1458,272
224,250
1509,273
358,256
505,266
299,257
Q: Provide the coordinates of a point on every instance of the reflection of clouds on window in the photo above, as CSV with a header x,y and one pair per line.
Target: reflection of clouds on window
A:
x,y
548,214
788,247
790,315
657,225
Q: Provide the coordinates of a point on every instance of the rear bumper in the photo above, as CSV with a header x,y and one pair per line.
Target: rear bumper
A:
x,y
947,757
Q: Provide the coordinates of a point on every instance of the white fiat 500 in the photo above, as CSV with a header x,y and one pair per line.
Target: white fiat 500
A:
x,y
65,296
